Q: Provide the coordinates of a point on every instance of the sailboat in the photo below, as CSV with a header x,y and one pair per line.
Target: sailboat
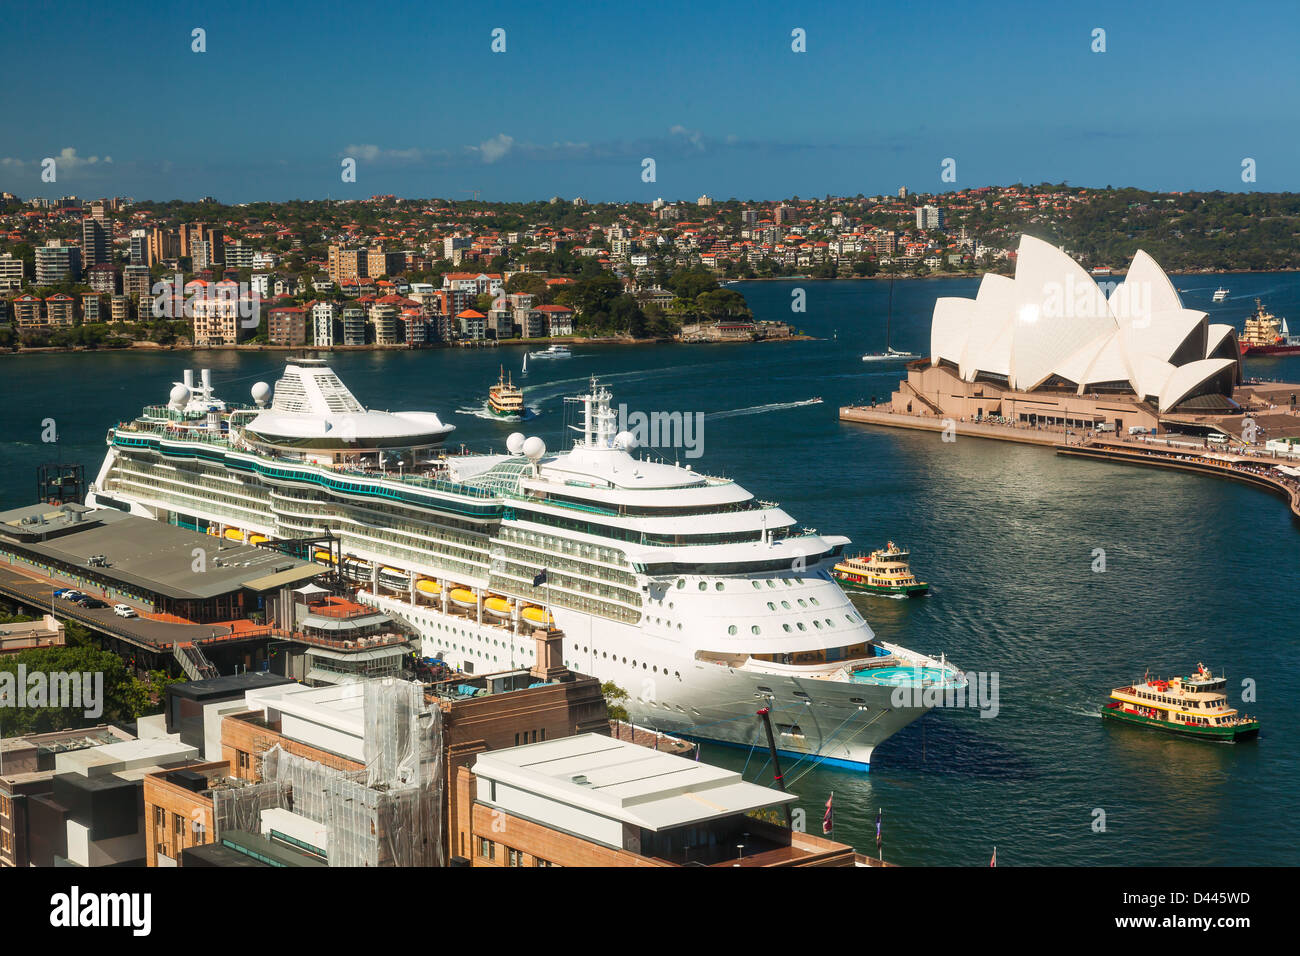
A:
x,y
890,354
524,371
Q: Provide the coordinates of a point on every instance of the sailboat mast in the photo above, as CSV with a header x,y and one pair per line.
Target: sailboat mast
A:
x,y
889,319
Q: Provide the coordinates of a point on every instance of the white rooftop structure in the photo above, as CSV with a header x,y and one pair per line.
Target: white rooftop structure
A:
x,y
1053,325
313,408
594,786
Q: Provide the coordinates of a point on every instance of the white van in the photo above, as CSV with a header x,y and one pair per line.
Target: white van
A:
x,y
1106,426
1218,439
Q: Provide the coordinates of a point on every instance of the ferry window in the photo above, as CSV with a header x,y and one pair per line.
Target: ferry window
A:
x,y
828,623
732,629
816,603
681,583
719,586
756,630
800,626
771,583
757,586
786,605
786,626
817,624
704,586
802,602
771,606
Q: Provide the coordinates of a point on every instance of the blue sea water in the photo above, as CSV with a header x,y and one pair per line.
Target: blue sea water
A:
x,y
1197,569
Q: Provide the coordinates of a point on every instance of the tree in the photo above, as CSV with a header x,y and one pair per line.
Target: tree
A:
x,y
614,698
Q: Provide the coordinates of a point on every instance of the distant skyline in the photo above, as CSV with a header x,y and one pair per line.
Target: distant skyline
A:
x,y
582,94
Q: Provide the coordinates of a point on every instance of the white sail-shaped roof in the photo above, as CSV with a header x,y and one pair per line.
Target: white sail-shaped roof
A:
x,y
1059,308
1145,290
950,329
988,346
1052,320
1187,378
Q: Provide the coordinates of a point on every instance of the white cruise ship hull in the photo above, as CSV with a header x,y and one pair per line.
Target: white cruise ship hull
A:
x,y
833,722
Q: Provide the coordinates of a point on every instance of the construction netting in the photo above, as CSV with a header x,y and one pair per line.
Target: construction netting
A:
x,y
389,814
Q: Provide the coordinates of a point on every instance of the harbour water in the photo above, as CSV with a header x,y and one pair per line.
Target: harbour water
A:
x,y
1196,569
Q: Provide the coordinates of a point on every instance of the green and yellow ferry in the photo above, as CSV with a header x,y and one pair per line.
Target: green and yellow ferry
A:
x,y
1195,706
884,571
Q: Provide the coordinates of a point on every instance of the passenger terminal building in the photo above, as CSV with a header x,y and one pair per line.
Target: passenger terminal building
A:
x,y
1049,346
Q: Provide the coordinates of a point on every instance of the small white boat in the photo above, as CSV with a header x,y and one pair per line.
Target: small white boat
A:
x,y
524,370
889,355
554,352
1220,294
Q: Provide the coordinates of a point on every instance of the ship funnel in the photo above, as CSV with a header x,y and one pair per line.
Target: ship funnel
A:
x,y
189,379
206,376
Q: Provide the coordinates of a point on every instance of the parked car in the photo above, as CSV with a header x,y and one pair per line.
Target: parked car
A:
x,y
93,604
69,594
124,610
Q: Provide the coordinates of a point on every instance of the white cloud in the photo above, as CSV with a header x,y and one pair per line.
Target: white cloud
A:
x,y
65,159
495,148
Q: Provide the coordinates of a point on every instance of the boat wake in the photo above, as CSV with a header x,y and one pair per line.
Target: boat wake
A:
x,y
761,409
484,412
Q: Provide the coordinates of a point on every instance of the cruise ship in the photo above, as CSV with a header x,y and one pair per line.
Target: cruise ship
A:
x,y
701,601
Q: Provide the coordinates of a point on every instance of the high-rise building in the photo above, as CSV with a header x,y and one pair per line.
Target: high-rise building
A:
x,y
323,315
57,263
164,245
781,215
96,238
239,255
929,217
136,283
347,263
197,232
11,272
354,325
902,192
139,247
103,277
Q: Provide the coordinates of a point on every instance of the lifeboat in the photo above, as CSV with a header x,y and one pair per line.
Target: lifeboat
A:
x,y
234,534
320,555
428,586
257,538
464,597
497,606
394,573
538,615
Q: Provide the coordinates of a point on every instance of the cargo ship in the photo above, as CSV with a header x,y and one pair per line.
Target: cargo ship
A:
x,y
884,571
1266,334
1195,706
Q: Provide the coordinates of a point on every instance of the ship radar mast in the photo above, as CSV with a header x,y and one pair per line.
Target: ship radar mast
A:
x,y
599,421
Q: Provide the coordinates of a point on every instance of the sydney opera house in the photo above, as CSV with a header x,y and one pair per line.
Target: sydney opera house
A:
x,y
1050,346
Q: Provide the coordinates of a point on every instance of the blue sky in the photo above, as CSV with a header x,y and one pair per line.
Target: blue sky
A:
x,y
712,92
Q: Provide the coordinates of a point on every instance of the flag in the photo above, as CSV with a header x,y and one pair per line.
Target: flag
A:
x,y
878,814
540,579
994,861
828,821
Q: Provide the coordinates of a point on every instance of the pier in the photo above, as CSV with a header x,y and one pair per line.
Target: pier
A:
x,y
1182,452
